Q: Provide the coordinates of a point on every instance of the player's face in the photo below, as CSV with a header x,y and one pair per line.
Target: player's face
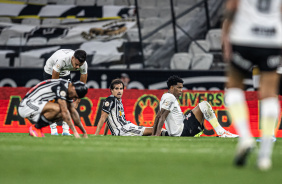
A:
x,y
117,91
72,93
75,63
177,90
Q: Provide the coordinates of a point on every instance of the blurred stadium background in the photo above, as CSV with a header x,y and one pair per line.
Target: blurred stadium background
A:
x,y
163,35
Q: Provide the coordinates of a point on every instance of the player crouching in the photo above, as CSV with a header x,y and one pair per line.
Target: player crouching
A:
x,y
36,105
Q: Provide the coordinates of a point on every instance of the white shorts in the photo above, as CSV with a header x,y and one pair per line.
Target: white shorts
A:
x,y
31,109
131,130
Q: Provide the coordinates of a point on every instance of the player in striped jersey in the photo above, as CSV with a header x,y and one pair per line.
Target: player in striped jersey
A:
x,y
58,66
113,113
175,122
36,105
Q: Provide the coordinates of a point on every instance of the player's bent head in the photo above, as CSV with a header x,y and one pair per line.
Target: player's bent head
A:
x,y
173,80
115,82
80,88
80,55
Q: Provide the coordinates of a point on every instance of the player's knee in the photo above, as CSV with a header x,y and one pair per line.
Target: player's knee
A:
x,y
204,105
207,111
270,107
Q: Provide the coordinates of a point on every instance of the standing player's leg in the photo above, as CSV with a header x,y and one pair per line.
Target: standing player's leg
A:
x,y
256,85
270,109
237,106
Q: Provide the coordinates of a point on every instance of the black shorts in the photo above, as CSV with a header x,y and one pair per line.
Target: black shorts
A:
x,y
48,76
244,58
191,126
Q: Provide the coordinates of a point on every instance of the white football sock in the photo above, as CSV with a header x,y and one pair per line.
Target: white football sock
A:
x,y
209,115
270,109
237,106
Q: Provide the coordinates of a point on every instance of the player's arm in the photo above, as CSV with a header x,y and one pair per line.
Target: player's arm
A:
x,y
76,119
229,14
102,120
67,117
55,75
83,78
159,121
106,129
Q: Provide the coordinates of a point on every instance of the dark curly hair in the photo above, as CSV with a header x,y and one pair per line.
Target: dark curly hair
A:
x,y
114,82
80,55
173,80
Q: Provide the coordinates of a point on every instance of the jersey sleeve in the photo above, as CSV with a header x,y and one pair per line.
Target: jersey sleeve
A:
x,y
84,68
59,65
108,104
61,91
168,103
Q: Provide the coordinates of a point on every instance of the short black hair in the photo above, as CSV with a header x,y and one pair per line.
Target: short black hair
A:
x,y
173,80
80,88
114,82
80,55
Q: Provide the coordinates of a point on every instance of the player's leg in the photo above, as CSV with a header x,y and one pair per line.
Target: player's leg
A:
x,y
148,131
33,111
270,109
238,109
65,126
204,110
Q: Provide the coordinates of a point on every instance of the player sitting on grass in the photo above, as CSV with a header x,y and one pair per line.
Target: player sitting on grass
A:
x,y
113,112
175,122
36,105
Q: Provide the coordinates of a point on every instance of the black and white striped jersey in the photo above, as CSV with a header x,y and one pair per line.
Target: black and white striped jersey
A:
x,y
48,90
116,118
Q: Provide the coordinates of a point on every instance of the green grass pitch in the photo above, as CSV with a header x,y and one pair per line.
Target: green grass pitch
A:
x,y
122,160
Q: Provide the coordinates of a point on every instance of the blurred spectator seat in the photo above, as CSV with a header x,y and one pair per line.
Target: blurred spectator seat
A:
x,y
152,23
133,35
181,3
120,66
181,61
67,2
5,19
163,3
85,2
147,3
202,61
38,1
34,58
24,1
51,21
31,21
214,38
36,41
16,41
194,48
4,60
123,2
71,20
136,66
52,1
148,12
105,2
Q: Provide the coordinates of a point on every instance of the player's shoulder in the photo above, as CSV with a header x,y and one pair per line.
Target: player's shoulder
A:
x,y
110,98
168,96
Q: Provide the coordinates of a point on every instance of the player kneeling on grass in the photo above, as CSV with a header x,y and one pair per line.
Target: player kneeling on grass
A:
x,y
36,105
113,112
175,122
